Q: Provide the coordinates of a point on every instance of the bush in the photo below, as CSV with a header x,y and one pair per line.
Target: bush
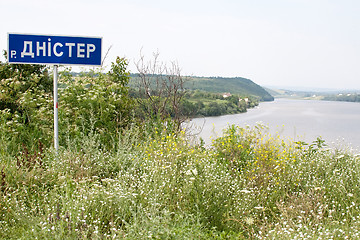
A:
x,y
95,103
25,105
92,103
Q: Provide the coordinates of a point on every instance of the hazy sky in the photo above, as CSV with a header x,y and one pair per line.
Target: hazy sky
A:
x,y
307,43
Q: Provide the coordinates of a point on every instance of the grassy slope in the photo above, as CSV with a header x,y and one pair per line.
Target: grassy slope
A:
x,y
238,85
250,185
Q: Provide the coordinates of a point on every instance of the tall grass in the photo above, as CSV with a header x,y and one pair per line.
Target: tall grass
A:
x,y
154,184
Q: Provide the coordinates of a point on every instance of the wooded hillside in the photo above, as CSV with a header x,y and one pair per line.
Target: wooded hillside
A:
x,y
238,85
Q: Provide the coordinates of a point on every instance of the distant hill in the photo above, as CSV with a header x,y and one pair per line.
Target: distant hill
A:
x,y
237,85
275,92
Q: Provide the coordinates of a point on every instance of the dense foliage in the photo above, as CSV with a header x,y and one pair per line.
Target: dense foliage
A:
x,y
91,103
200,103
25,104
95,103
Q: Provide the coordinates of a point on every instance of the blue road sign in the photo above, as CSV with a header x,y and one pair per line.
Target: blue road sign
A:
x,y
58,50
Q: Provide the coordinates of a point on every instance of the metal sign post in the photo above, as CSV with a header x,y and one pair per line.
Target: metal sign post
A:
x,y
54,50
56,123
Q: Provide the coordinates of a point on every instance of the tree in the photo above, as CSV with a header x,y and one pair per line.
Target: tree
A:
x,y
161,89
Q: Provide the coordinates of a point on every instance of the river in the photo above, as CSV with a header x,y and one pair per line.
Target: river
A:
x,y
335,122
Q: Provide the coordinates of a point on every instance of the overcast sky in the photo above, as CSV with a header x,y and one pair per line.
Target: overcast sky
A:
x,y
298,43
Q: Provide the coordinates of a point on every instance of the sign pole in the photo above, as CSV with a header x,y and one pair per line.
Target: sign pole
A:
x,y
56,128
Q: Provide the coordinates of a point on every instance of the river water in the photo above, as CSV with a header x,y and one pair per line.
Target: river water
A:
x,y
335,122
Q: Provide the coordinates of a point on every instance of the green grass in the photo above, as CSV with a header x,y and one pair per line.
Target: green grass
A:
x,y
247,185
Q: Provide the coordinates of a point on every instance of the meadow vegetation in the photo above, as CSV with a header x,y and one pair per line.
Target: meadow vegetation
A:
x,y
120,174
